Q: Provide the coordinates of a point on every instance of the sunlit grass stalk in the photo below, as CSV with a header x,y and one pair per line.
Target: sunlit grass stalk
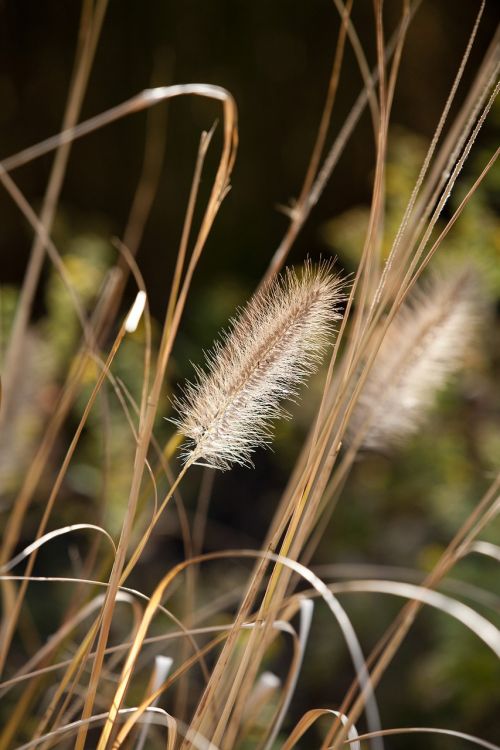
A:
x,y
271,347
367,272
149,406
385,650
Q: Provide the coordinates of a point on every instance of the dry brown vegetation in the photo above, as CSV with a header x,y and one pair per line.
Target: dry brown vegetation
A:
x,y
99,677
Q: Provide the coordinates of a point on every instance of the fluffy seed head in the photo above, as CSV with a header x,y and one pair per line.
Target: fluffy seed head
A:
x,y
425,343
273,344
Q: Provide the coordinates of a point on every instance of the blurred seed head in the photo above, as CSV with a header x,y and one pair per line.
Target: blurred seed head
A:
x,y
424,345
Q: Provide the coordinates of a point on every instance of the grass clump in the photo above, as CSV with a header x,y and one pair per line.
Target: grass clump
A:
x,y
156,625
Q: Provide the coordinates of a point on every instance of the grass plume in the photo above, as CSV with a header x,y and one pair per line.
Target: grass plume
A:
x,y
271,347
425,344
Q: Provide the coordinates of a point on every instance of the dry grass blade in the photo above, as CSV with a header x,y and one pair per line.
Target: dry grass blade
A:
x,y
482,627
9,623
386,648
150,401
162,667
154,716
429,730
27,551
485,548
307,721
306,612
335,608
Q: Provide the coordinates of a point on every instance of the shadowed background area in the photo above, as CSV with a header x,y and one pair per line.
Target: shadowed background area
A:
x,y
275,58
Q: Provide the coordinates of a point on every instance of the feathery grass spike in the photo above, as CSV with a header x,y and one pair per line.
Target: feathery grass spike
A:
x,y
271,347
425,344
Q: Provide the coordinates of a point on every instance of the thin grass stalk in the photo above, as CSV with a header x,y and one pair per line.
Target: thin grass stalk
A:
x,y
396,46
134,650
428,158
283,311
78,662
163,466
74,699
368,80
430,730
319,144
258,643
91,22
362,675
374,219
456,137
13,526
306,608
490,163
106,374
435,247
310,718
368,272
333,156
28,673
386,96
148,408
82,657
338,479
9,624
406,288
297,212
412,274
408,282
269,608
300,214
101,626
375,318
273,597
25,208
204,144
142,202
100,321
152,166
317,584
291,545
473,525
446,194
